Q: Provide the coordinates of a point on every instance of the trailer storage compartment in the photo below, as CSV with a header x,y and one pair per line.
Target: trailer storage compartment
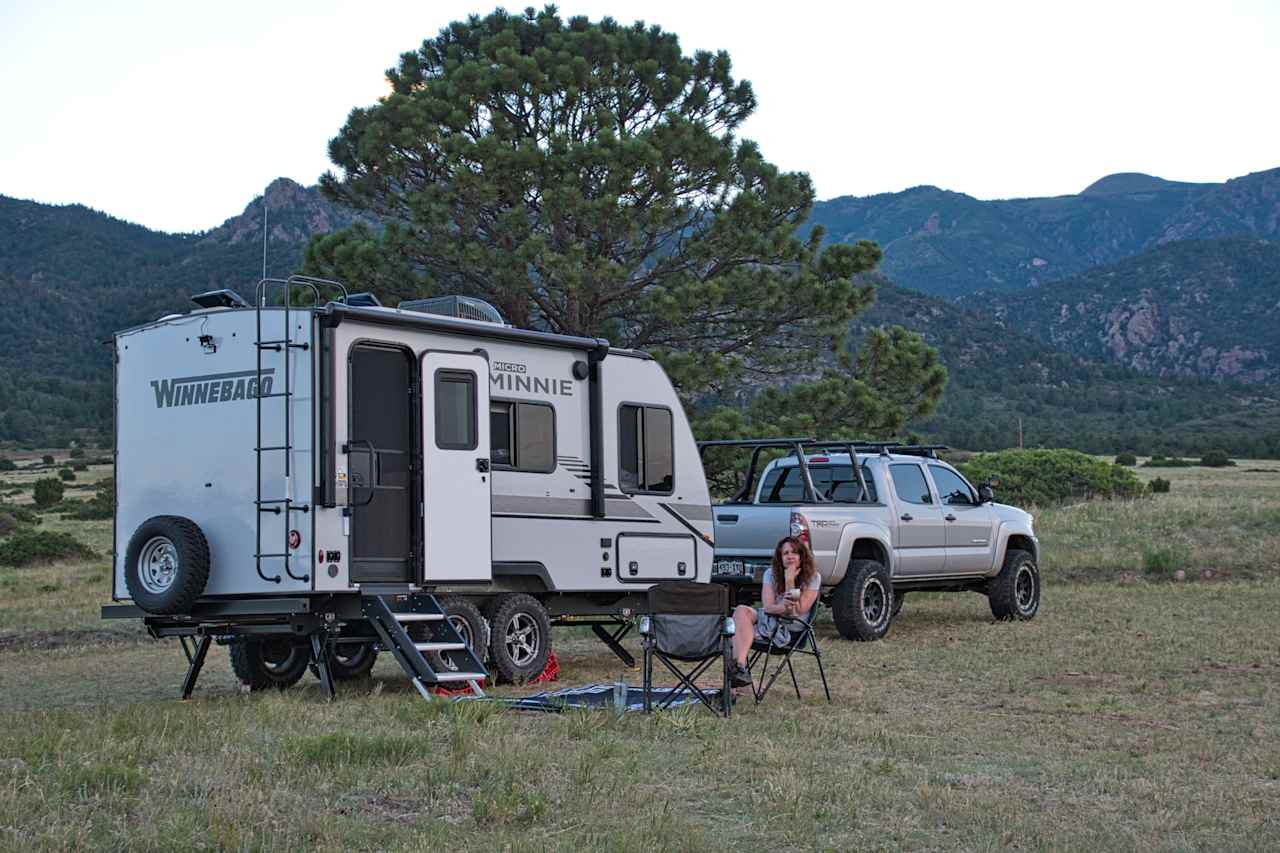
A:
x,y
652,557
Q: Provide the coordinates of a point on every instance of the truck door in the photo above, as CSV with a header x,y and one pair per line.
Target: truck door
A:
x,y
968,523
456,519
921,543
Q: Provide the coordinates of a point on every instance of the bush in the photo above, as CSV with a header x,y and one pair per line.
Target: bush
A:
x,y
1216,459
24,515
8,524
77,452
1159,461
47,492
30,546
1044,477
79,466
67,475
1159,486
1127,459
101,506
1162,561
47,459
8,465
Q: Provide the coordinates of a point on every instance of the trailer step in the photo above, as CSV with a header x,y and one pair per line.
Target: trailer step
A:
x,y
418,617
461,676
439,647
438,635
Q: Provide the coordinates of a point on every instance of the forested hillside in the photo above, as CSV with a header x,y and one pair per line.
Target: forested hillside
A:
x,y
948,244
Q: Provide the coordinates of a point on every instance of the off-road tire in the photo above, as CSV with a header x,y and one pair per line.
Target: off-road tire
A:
x,y
1015,592
862,603
520,638
266,662
166,565
351,661
899,599
470,623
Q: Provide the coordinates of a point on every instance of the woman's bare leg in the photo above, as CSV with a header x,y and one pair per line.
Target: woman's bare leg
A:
x,y
744,621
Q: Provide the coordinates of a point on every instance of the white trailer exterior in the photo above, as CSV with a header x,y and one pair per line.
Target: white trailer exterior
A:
x,y
350,450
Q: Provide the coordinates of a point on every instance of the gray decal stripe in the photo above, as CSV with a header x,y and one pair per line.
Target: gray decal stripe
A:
x,y
693,512
680,518
530,505
182,380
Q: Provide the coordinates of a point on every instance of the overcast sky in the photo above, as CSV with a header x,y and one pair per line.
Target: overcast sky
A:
x,y
176,114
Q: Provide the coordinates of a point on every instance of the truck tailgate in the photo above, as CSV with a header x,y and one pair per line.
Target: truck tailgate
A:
x,y
747,530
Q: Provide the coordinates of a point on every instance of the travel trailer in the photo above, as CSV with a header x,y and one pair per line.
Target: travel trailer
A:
x,y
315,477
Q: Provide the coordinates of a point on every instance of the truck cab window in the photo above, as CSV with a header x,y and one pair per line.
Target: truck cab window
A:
x,y
522,436
646,457
909,483
952,487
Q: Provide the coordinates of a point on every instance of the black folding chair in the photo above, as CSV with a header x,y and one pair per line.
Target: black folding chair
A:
x,y
688,622
803,641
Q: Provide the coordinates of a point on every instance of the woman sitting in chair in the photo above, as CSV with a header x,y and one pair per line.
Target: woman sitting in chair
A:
x,y
789,589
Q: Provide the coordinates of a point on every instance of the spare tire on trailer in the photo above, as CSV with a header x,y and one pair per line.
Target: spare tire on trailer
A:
x,y
519,638
166,565
262,662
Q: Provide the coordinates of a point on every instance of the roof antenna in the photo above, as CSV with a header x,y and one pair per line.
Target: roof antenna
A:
x,y
264,231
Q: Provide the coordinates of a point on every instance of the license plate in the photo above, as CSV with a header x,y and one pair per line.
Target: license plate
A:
x,y
730,567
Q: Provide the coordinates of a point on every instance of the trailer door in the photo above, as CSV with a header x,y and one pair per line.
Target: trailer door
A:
x,y
456,519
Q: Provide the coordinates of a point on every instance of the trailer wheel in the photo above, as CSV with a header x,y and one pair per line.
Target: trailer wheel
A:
x,y
166,565
1015,592
862,603
470,624
520,638
269,662
351,661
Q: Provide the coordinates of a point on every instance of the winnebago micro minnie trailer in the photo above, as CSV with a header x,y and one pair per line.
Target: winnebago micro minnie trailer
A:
x,y
313,484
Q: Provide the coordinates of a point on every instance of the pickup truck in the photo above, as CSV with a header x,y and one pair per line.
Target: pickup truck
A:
x,y
902,520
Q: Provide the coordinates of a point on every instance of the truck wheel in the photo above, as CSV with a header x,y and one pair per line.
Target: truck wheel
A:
x,y
269,662
520,638
351,661
467,620
862,603
899,598
166,565
1015,592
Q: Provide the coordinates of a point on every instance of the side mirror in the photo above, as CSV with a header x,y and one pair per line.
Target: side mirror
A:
x,y
985,492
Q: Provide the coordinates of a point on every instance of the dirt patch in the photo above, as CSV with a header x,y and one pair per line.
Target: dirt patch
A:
x,y
45,640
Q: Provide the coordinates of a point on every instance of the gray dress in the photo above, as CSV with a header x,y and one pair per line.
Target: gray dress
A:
x,y
767,623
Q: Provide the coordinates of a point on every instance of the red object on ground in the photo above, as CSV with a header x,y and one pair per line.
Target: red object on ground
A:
x,y
463,690
550,672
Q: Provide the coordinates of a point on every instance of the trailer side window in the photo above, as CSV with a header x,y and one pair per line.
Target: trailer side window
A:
x,y
646,449
522,436
455,393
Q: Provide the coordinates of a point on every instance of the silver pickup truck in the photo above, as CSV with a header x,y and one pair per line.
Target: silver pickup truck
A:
x,y
901,520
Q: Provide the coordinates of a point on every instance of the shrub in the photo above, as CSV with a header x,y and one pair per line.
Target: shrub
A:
x,y
1159,461
24,515
47,459
77,452
1043,477
8,465
8,524
1127,459
1162,561
101,506
67,475
1216,459
47,492
29,546
79,466
1159,486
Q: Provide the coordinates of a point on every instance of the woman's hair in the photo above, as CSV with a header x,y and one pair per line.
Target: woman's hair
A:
x,y
807,569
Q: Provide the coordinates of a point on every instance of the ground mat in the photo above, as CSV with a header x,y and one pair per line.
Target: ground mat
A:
x,y
602,696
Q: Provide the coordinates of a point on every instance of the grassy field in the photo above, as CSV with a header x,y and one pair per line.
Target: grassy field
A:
x,y
1135,712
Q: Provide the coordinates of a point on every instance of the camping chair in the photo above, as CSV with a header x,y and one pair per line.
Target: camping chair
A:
x,y
689,623
803,641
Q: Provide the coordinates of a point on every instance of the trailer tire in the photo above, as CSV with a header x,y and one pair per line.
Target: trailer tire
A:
x,y
520,638
351,661
467,620
862,603
166,565
269,662
1015,592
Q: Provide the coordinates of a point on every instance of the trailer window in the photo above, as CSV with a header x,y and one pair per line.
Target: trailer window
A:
x,y
646,449
522,436
455,394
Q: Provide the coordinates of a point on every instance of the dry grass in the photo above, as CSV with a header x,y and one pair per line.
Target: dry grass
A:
x,y
1127,715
